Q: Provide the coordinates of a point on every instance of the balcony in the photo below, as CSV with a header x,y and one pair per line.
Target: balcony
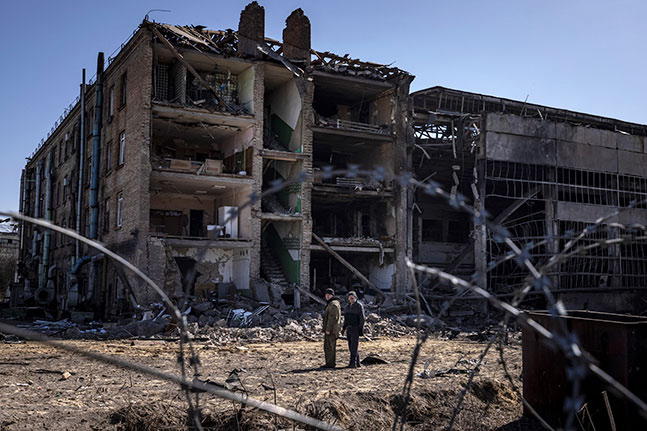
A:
x,y
208,167
342,187
357,244
353,126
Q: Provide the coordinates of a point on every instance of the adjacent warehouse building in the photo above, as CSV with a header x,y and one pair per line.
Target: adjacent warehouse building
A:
x,y
544,174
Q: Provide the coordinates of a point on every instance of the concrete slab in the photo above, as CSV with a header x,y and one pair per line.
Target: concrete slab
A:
x,y
515,125
585,135
630,163
588,157
521,149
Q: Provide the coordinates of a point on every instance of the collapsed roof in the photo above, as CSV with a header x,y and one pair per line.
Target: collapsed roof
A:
x,y
226,43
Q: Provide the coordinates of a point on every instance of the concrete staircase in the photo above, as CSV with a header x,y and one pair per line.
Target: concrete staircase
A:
x,y
271,204
270,141
271,268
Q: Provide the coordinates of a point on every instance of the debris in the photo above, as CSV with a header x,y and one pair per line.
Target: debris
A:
x,y
373,318
201,307
470,365
373,359
233,381
81,316
425,321
144,328
66,375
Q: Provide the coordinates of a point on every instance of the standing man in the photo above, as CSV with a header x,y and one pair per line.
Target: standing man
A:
x,y
354,323
331,324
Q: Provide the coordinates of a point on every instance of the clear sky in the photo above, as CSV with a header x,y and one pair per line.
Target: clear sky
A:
x,y
586,56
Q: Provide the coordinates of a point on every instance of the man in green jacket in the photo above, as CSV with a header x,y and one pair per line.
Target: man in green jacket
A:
x,y
331,326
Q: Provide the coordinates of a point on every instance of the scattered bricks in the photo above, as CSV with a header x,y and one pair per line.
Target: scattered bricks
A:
x,y
373,318
201,307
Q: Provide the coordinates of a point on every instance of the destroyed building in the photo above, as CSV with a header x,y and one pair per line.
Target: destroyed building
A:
x,y
185,125
544,174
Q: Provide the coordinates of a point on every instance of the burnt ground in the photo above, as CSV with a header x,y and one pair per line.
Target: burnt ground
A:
x,y
34,393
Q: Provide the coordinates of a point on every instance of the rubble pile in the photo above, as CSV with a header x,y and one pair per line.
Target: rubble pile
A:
x,y
273,324
241,320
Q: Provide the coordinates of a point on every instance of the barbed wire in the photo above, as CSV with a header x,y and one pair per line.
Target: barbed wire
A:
x,y
185,384
579,362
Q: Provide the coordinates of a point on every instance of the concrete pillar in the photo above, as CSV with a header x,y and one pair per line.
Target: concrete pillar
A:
x,y
402,166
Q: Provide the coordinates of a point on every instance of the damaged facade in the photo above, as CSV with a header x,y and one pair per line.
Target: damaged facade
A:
x,y
544,174
169,143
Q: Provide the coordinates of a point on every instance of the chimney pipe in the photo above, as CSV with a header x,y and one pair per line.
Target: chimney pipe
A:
x,y
251,30
296,37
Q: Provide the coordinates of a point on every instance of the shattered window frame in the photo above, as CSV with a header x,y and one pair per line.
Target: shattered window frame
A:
x,y
120,200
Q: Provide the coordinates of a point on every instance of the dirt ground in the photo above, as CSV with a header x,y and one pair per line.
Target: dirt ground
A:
x,y
34,393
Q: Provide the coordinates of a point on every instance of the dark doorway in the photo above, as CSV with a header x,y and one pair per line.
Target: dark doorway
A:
x,y
195,223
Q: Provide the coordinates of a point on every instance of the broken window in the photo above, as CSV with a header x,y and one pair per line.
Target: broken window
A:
x,y
225,84
111,102
67,146
87,221
66,187
123,90
88,172
89,115
106,215
161,82
122,147
432,230
120,201
108,157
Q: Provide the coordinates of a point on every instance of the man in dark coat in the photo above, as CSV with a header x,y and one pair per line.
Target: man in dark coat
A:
x,y
331,324
353,326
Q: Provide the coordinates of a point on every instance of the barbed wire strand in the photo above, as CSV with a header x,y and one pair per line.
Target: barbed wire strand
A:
x,y
195,385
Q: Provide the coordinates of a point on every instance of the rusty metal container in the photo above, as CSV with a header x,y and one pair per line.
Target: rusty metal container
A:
x,y
619,344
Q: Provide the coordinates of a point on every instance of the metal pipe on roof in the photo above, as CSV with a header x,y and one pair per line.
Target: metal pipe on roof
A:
x,y
21,207
96,142
48,216
79,199
36,206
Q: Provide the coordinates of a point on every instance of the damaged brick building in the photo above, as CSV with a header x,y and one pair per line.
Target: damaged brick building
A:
x,y
169,143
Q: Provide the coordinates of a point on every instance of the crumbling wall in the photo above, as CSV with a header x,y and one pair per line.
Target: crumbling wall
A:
x,y
218,265
305,137
237,142
162,268
257,171
246,89
285,112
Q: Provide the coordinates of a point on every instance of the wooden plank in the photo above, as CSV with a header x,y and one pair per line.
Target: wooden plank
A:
x,y
310,295
350,267
358,249
190,68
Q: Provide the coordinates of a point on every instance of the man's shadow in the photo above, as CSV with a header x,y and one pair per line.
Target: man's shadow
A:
x,y
310,370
